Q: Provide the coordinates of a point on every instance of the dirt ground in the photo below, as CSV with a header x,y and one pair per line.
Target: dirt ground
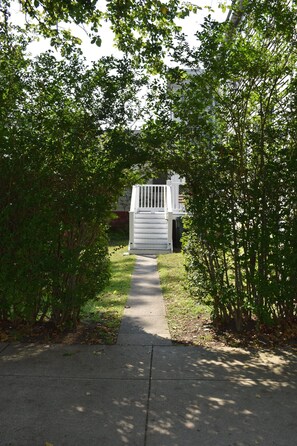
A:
x,y
201,331
196,331
47,333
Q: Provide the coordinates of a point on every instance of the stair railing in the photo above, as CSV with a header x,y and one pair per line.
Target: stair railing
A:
x,y
133,209
169,214
151,198
177,198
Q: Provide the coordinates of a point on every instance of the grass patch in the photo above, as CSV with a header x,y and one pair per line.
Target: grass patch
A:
x,y
106,312
187,319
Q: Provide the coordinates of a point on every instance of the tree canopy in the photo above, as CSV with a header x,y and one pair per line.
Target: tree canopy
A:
x,y
233,138
66,149
142,28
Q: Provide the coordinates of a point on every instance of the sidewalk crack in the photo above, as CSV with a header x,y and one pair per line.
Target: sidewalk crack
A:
x,y
148,398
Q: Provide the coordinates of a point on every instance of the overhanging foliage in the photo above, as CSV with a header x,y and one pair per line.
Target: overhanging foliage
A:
x,y
234,140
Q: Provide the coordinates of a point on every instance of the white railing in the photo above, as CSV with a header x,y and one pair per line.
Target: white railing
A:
x,y
157,197
168,215
151,197
178,206
134,200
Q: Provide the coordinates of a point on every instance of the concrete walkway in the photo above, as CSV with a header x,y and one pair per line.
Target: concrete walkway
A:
x,y
150,394
144,321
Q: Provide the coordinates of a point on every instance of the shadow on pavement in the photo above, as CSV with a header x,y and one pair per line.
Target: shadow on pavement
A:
x,y
146,395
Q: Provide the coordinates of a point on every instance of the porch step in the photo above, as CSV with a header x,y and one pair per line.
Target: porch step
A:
x,y
149,251
143,248
149,216
153,230
147,238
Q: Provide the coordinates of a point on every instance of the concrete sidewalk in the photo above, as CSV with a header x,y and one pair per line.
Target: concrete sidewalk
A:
x,y
144,321
146,395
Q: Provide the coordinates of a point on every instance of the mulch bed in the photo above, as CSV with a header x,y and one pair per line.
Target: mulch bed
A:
x,y
196,331
201,331
48,333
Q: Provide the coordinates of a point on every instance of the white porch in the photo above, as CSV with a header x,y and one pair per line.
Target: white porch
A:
x,y
152,211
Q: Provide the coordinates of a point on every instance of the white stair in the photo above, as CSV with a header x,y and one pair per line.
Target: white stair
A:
x,y
150,220
150,234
